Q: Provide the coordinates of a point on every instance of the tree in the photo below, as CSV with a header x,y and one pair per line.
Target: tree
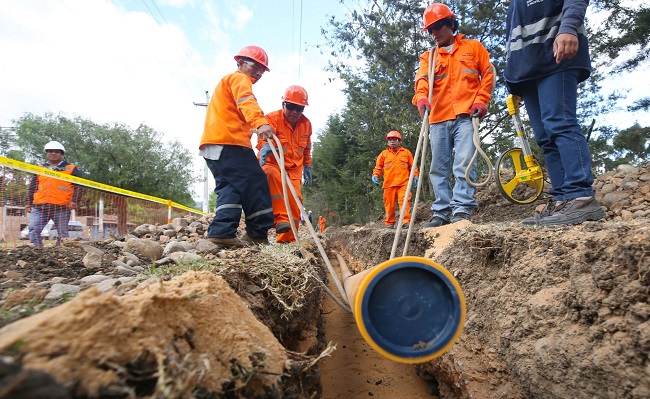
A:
x,y
116,155
632,145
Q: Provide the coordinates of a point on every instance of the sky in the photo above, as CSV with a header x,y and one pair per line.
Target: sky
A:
x,y
148,61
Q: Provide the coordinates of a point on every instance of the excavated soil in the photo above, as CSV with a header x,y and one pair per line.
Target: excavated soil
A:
x,y
557,312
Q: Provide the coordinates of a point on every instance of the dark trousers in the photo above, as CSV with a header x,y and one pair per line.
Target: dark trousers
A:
x,y
240,185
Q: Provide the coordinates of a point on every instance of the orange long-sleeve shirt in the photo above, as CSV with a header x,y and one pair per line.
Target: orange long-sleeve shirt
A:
x,y
395,166
232,112
296,142
461,78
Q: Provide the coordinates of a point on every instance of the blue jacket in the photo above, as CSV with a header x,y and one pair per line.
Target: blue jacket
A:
x,y
532,26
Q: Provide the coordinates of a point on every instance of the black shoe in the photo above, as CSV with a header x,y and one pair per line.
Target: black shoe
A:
x,y
283,227
541,212
437,221
460,216
574,211
390,226
405,225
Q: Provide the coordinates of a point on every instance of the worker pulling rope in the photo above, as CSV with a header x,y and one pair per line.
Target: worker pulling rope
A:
x,y
278,153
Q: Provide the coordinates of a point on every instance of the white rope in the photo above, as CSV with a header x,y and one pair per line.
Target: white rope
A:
x,y
423,138
279,155
477,145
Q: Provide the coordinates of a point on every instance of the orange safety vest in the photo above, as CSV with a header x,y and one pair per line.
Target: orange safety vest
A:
x,y
395,166
296,142
232,112
51,190
461,79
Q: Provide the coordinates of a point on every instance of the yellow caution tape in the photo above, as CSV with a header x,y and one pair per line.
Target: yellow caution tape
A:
x,y
38,170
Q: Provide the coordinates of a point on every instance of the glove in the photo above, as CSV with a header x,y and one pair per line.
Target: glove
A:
x,y
306,176
265,151
479,110
415,181
375,180
422,105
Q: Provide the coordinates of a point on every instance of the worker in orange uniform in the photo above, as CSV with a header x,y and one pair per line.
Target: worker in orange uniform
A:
x,y
395,164
51,198
462,78
321,223
293,129
226,146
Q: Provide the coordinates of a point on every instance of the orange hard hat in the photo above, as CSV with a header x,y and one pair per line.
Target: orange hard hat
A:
x,y
256,54
296,95
434,13
394,133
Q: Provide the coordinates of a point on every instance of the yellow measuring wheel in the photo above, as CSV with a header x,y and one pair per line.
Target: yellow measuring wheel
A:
x,y
518,174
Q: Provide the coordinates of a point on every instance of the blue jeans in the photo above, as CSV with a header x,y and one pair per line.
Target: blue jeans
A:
x,y
41,214
240,185
452,147
551,106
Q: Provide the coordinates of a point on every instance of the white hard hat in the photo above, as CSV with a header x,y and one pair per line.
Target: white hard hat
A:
x,y
309,211
54,145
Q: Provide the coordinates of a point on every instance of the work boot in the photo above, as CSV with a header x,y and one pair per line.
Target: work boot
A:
x,y
233,242
437,221
574,211
541,211
282,228
390,226
405,225
254,241
460,216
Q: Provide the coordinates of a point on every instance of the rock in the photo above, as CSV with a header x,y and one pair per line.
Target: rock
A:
x,y
125,270
141,230
184,256
94,279
176,246
59,290
92,260
627,169
169,233
92,250
610,199
203,245
106,285
146,248
127,257
180,223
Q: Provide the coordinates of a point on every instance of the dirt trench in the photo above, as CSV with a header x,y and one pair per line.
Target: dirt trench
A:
x,y
558,312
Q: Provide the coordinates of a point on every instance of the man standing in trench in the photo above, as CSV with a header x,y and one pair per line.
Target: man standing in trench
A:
x,y
293,129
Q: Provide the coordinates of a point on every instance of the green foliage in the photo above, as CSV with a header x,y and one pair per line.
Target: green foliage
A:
x,y
633,145
623,36
116,155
